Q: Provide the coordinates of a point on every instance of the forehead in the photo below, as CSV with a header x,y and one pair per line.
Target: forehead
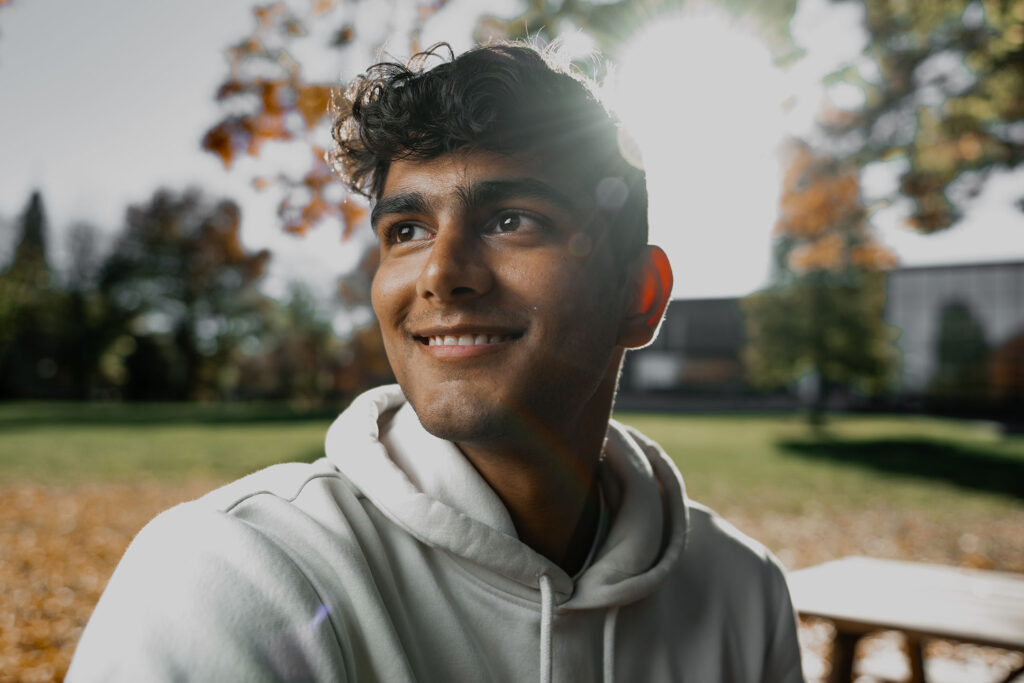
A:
x,y
455,175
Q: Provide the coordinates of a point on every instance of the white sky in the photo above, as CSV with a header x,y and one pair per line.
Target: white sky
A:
x,y
102,102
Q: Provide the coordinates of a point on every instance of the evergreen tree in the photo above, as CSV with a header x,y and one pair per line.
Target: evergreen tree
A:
x,y
962,355
29,310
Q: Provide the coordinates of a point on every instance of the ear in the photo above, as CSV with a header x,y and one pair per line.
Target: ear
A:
x,y
650,279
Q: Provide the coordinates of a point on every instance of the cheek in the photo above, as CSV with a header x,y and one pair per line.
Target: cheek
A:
x,y
582,306
388,293
388,302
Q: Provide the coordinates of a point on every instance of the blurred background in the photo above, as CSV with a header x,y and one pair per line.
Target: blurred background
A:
x,y
184,286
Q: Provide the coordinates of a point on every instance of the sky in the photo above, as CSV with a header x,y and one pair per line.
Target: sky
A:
x,y
104,101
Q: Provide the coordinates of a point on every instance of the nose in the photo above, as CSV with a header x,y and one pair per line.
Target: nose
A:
x,y
455,269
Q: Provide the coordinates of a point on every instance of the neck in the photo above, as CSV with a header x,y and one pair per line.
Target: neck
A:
x,y
547,480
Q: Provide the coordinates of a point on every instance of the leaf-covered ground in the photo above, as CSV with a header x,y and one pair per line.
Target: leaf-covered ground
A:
x,y
58,547
59,544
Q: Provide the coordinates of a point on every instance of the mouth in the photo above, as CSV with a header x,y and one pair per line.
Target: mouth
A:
x,y
466,339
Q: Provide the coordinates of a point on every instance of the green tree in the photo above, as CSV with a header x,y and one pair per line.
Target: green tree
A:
x,y
823,318
612,23
943,85
298,353
94,333
29,310
181,275
962,356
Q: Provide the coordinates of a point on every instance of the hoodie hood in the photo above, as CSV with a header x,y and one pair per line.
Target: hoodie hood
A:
x,y
425,486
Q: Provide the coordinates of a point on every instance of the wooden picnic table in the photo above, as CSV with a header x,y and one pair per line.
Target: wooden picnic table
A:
x,y
863,594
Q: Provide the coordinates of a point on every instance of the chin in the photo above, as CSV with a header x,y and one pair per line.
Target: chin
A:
x,y
464,419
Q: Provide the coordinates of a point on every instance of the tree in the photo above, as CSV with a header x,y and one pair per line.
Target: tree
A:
x,y
29,310
1006,374
95,334
943,85
823,317
297,356
272,99
962,356
612,23
179,272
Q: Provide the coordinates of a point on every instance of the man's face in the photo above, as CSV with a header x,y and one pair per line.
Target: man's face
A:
x,y
498,313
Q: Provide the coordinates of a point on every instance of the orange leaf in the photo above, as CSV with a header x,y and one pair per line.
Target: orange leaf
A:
x,y
352,214
344,35
230,88
873,256
266,15
221,141
264,127
273,95
323,6
298,227
312,102
294,28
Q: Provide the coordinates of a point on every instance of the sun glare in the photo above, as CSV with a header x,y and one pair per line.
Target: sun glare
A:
x,y
702,98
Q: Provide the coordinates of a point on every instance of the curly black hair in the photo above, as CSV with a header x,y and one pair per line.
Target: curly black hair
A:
x,y
504,98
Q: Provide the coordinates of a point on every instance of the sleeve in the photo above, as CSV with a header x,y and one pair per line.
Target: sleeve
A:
x,y
782,657
200,595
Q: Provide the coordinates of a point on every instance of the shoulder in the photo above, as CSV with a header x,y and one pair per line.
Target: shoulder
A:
x,y
209,543
740,580
711,533
242,528
203,590
718,552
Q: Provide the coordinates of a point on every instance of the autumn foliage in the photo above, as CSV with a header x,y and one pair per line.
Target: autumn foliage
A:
x,y
822,319
943,88
281,105
278,103
821,213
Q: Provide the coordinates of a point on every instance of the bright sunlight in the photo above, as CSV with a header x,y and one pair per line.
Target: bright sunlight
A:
x,y
702,98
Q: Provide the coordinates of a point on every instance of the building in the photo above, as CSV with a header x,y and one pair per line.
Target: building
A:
x,y
959,329
956,324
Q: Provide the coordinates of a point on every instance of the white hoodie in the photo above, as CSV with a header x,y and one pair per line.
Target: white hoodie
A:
x,y
392,560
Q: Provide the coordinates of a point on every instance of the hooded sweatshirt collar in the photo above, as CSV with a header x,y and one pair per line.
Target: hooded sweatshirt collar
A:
x,y
425,486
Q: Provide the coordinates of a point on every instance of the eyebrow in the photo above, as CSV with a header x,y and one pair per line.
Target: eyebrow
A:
x,y
407,202
493,191
476,195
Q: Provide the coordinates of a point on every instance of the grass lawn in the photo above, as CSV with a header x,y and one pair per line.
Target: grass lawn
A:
x,y
66,443
773,462
753,462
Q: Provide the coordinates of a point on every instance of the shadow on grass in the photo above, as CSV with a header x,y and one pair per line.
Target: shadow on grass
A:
x,y
963,466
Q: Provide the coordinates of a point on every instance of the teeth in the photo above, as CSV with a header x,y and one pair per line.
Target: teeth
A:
x,y
467,339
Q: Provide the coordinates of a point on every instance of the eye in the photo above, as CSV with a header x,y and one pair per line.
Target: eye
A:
x,y
408,232
514,221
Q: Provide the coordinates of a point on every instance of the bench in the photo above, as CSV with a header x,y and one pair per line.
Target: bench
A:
x,y
863,594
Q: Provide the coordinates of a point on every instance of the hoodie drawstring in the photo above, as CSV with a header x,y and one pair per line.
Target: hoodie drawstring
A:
x,y
546,608
610,619
546,605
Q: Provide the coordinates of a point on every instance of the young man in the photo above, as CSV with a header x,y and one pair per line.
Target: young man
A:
x,y
484,520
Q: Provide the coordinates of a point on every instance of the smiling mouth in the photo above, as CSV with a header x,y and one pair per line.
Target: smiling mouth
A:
x,y
467,339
